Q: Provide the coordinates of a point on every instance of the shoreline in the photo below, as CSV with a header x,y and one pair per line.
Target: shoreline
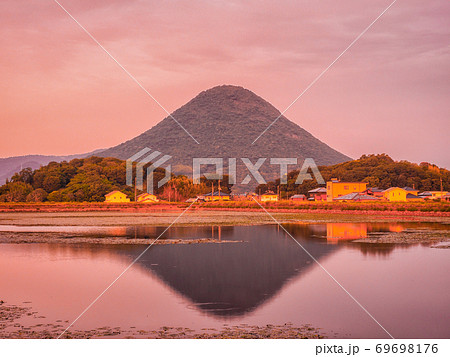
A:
x,y
111,227
37,328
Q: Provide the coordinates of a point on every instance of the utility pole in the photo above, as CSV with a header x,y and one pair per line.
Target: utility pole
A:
x,y
219,191
441,184
212,190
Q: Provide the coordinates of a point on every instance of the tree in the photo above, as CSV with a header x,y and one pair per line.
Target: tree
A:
x,y
25,175
15,192
38,195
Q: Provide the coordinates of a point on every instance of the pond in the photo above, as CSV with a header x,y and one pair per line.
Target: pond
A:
x,y
257,276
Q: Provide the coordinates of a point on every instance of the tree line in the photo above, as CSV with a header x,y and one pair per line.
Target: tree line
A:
x,y
89,179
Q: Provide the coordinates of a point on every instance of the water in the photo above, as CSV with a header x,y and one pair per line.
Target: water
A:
x,y
264,277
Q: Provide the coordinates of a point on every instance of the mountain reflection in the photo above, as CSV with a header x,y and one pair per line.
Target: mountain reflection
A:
x,y
232,279
255,262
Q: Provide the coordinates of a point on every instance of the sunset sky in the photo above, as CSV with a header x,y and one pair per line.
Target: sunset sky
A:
x,y
61,94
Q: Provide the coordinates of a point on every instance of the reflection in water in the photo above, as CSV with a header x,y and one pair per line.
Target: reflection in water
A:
x,y
233,278
338,231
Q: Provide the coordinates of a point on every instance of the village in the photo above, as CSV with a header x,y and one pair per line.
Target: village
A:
x,y
335,190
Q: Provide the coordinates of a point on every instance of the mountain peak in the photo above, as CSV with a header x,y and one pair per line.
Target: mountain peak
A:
x,y
227,92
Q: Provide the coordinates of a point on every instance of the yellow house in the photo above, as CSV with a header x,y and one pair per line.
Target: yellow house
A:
x,y
269,196
147,198
395,194
437,194
335,188
116,196
216,196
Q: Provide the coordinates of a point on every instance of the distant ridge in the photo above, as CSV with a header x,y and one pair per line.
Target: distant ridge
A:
x,y
10,165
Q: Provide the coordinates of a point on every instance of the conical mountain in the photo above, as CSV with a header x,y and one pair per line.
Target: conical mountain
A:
x,y
225,120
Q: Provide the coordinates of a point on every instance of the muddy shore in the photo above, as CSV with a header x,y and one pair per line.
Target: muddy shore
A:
x,y
12,326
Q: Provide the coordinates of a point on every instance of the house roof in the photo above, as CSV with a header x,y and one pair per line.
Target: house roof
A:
x,y
393,188
318,190
298,196
113,192
349,182
375,189
145,194
410,195
217,193
407,188
269,193
356,196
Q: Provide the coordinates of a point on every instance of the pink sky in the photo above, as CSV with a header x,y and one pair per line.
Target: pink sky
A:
x,y
61,94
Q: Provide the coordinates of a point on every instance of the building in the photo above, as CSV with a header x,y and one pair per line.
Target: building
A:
x,y
411,197
411,190
147,198
318,194
356,196
375,192
425,195
216,196
395,194
298,198
335,188
269,196
434,194
116,196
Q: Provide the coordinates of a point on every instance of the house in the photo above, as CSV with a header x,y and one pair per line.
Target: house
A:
x,y
216,196
336,188
356,196
434,194
318,194
269,196
374,191
411,197
395,194
147,198
425,195
116,196
298,198
411,190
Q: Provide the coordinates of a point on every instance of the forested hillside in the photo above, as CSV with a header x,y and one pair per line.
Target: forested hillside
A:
x,y
377,170
88,180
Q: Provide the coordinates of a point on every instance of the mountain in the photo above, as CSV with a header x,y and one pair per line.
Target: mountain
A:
x,y
225,120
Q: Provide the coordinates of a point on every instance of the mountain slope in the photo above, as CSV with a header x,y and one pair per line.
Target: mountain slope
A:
x,y
225,120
